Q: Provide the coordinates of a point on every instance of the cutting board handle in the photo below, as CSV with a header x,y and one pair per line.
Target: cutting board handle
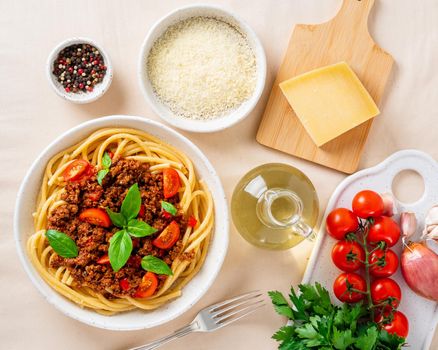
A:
x,y
354,11
414,160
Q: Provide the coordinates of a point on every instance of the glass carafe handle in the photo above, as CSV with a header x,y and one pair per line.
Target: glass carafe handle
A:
x,y
294,221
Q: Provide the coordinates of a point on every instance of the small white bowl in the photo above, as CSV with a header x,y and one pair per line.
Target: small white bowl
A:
x,y
208,125
135,319
81,97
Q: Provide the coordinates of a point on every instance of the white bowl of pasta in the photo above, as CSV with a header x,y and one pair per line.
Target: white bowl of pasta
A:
x,y
63,250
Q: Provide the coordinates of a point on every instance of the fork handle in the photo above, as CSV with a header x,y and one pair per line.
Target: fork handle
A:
x,y
192,327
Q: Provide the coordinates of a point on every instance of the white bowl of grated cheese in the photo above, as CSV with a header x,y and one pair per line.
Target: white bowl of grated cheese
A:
x,y
202,68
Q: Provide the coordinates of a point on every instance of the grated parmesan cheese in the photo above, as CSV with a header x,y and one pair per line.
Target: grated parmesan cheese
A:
x,y
202,68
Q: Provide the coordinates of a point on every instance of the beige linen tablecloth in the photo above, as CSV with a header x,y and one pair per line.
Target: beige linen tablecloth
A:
x,y
31,116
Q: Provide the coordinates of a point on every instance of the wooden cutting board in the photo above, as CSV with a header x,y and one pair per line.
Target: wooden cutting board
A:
x,y
344,38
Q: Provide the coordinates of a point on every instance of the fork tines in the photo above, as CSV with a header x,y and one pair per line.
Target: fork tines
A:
x,y
233,309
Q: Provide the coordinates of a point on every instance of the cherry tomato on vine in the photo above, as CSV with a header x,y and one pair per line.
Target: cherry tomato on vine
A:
x,y
348,255
347,285
384,229
386,290
341,221
395,323
383,263
367,204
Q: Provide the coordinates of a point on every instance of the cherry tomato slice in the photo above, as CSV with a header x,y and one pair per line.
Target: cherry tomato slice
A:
x,y
171,182
348,256
96,216
75,170
166,215
384,229
168,237
397,323
384,263
385,289
95,196
142,211
104,260
192,222
367,204
147,287
124,284
345,285
340,222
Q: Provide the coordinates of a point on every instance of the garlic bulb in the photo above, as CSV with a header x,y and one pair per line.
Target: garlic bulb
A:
x,y
408,224
431,224
389,208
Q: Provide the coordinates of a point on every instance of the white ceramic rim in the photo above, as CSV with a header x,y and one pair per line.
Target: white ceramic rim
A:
x,y
219,241
80,98
210,125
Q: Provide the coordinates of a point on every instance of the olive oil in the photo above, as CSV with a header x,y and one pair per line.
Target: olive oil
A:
x,y
275,206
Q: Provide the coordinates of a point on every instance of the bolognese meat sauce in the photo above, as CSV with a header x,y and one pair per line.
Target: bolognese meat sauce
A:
x,y
91,268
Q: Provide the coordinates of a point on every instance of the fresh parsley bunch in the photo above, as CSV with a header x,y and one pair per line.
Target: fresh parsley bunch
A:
x,y
316,323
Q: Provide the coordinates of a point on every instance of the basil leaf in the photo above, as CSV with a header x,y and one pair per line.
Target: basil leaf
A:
x,y
137,228
131,203
106,161
100,175
116,218
120,249
170,208
155,265
62,244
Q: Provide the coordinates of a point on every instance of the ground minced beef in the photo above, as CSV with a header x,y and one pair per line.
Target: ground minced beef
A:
x,y
93,241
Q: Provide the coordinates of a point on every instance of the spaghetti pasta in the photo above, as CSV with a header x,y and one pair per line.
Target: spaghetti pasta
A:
x,y
194,199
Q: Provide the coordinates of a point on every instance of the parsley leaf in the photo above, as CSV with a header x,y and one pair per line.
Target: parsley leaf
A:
x,y
342,339
284,333
319,296
392,341
280,304
347,315
300,307
367,339
307,331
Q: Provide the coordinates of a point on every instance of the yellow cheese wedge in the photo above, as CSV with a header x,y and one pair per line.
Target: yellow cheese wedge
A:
x,y
329,101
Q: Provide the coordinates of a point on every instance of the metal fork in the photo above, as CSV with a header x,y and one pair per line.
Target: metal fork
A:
x,y
214,317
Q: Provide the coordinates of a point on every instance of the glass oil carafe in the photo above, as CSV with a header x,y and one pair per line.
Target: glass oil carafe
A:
x,y
275,206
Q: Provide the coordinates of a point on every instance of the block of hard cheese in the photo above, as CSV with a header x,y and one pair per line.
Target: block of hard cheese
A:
x,y
329,101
